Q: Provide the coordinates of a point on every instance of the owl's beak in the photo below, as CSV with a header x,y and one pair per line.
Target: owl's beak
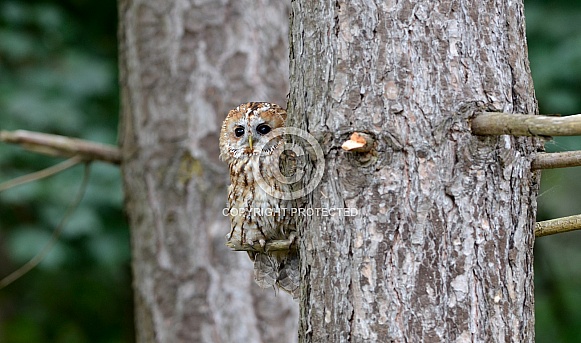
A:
x,y
250,141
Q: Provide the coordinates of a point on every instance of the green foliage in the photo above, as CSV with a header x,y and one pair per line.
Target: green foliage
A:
x,y
58,74
554,39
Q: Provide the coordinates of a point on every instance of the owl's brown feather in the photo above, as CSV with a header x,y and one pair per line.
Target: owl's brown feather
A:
x,y
252,151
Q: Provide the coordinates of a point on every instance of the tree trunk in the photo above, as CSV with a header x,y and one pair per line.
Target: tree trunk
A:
x,y
440,248
184,64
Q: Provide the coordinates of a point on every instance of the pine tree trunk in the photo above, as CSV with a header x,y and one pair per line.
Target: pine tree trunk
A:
x,y
441,247
183,66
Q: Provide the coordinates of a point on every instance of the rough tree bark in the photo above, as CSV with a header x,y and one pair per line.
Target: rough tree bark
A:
x,y
441,249
184,64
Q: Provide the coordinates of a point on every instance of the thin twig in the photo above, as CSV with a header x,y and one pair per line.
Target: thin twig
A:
x,y
54,237
41,174
62,146
557,160
559,225
496,123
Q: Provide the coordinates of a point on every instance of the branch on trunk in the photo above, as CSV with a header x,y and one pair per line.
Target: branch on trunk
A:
x,y
496,123
62,146
358,142
274,245
559,225
557,160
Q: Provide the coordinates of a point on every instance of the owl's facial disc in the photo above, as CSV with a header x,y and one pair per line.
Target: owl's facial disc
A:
x,y
248,130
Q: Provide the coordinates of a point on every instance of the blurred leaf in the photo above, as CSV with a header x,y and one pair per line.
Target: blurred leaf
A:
x,y
23,330
27,242
84,221
15,45
108,250
13,12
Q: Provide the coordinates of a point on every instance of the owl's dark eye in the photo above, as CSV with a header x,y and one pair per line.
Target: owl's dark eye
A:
x,y
263,129
239,131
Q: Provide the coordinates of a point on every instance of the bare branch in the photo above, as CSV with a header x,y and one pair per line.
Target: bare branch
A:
x,y
275,245
28,266
557,160
559,225
62,146
41,174
496,123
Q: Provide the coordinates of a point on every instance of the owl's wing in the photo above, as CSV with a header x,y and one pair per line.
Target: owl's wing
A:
x,y
265,270
289,275
270,271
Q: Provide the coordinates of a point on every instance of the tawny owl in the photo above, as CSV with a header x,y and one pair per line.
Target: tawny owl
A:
x,y
252,146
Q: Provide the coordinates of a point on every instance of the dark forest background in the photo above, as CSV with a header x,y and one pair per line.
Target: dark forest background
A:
x,y
58,74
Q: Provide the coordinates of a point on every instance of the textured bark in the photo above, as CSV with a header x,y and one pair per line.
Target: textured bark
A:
x,y
184,64
441,248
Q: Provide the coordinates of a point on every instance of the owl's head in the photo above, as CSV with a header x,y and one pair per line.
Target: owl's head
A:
x,y
248,129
